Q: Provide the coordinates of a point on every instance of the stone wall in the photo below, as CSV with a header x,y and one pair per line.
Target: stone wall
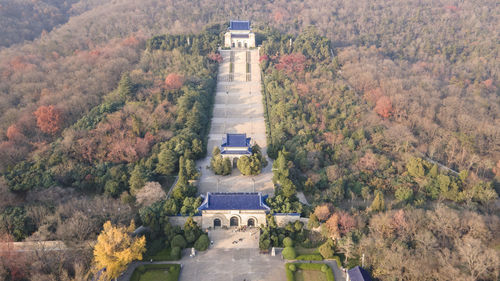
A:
x,y
284,219
181,220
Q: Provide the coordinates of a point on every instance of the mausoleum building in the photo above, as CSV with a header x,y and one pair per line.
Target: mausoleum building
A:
x,y
239,35
233,210
235,146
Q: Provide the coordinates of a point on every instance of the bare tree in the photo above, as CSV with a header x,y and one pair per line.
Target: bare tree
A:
x,y
150,193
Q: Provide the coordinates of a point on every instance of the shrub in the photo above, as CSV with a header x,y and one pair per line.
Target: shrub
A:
x,y
202,243
289,273
326,250
175,253
337,258
288,242
292,267
289,253
324,268
179,241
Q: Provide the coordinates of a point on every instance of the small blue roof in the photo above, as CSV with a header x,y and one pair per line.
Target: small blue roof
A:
x,y
239,25
359,274
236,140
238,152
234,201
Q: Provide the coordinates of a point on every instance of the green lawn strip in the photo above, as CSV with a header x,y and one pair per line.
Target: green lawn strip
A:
x,y
306,251
292,276
163,255
310,275
156,272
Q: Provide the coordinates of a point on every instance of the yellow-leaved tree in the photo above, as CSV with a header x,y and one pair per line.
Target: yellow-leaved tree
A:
x,y
116,248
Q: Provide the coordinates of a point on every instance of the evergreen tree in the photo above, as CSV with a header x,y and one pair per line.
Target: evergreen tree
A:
x,y
167,162
182,180
138,178
378,203
433,171
125,86
313,221
280,167
415,167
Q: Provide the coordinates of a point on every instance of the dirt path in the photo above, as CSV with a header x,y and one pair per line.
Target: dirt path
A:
x,y
238,108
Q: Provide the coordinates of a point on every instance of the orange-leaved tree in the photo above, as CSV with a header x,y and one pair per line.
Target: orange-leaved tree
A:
x,y
174,81
116,248
48,119
384,107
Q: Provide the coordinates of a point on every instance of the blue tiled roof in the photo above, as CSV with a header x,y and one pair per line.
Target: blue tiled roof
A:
x,y
359,274
236,140
239,25
234,201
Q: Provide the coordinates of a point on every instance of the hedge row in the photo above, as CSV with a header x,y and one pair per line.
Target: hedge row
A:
x,y
311,257
174,270
308,266
337,258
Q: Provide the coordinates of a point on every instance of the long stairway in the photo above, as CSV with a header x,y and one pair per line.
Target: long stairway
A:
x,y
238,108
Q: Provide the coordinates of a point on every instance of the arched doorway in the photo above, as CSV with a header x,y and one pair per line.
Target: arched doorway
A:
x,y
246,45
251,222
217,223
239,44
233,221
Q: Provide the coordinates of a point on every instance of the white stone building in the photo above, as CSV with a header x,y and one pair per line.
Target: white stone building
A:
x,y
233,210
239,35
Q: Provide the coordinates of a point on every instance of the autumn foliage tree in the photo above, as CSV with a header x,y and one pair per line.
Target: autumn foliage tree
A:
x,y
174,81
384,107
115,249
322,212
48,119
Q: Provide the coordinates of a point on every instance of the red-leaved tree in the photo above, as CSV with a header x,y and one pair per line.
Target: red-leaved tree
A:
x,y
384,107
215,57
14,134
48,119
292,63
174,81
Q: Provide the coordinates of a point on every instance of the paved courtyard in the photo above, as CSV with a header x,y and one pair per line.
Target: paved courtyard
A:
x,y
233,239
232,265
238,108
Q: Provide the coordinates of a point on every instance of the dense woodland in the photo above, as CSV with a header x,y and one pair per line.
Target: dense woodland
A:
x,y
396,108
149,129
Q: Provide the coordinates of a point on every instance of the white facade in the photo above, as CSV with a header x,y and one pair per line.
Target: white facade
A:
x,y
239,39
242,217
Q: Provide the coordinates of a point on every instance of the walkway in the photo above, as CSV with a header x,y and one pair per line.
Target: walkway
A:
x,y
238,108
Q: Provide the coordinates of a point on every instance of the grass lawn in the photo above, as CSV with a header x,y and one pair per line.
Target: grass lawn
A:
x,y
157,272
163,255
306,251
310,275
